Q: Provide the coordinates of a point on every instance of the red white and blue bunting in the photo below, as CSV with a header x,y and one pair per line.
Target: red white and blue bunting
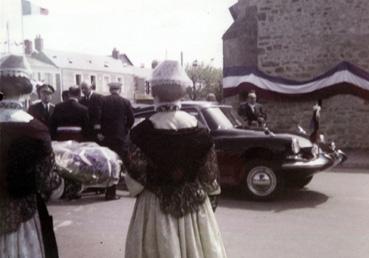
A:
x,y
345,78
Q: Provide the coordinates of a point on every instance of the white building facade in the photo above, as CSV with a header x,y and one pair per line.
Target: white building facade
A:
x,y
64,69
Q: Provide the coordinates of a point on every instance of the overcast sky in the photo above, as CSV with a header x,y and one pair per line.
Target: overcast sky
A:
x,y
143,29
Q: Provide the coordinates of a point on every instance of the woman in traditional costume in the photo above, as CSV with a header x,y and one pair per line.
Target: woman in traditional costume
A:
x,y
173,172
26,162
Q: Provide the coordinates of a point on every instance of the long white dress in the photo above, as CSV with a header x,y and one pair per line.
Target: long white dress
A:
x,y
26,242
154,234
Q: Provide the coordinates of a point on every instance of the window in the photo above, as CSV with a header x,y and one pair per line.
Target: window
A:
x,y
222,118
78,79
194,112
141,117
147,88
48,78
106,79
93,80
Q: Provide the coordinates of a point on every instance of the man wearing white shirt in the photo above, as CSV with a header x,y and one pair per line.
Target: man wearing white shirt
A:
x,y
93,101
252,111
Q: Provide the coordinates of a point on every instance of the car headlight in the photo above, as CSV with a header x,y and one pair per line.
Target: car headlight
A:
x,y
295,146
315,150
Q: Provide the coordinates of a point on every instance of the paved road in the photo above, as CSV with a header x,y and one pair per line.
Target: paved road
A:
x,y
330,218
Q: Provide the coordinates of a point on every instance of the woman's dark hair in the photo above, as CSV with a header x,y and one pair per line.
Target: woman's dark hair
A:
x,y
12,86
168,93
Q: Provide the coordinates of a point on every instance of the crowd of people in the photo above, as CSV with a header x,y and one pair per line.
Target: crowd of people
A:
x,y
170,159
85,115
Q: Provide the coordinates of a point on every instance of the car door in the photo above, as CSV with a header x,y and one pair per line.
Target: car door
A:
x,y
230,161
196,113
225,159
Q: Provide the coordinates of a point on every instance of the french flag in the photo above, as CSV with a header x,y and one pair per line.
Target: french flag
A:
x,y
29,8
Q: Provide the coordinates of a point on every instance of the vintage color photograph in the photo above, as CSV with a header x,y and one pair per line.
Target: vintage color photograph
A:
x,y
184,129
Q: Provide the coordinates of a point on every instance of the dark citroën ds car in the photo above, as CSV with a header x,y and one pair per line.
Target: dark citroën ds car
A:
x,y
261,162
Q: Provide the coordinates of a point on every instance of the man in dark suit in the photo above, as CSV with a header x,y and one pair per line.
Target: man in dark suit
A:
x,y
116,121
70,119
43,110
252,112
65,95
93,102
70,122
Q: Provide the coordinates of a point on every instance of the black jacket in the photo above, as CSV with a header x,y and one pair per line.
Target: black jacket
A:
x,y
116,118
252,115
94,105
38,111
69,121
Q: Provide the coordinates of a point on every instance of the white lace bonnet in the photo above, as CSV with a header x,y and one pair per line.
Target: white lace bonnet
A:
x,y
169,81
15,65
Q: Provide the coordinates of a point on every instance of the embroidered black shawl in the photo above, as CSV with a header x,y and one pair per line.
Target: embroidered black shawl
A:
x,y
179,166
26,161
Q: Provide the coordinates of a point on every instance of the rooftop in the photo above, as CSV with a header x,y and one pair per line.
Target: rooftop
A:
x,y
70,60
35,62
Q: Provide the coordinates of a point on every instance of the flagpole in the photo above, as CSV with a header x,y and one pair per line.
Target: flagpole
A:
x,y
22,28
8,35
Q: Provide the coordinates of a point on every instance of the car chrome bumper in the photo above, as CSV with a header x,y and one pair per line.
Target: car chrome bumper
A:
x,y
324,161
338,157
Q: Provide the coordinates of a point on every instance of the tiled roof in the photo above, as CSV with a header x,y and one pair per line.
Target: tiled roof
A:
x,y
70,60
35,62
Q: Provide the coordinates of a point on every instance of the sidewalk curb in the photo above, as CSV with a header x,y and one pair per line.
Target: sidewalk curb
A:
x,y
350,170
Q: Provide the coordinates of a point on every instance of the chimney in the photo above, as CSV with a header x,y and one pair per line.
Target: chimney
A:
x,y
154,64
115,53
122,57
28,47
39,43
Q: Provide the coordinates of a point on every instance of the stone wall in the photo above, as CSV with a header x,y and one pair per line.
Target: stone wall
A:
x,y
299,40
240,40
344,118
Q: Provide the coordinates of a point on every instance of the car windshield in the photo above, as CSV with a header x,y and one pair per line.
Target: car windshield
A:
x,y
222,118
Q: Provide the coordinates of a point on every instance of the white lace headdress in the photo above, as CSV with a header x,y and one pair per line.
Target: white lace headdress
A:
x,y
169,81
15,65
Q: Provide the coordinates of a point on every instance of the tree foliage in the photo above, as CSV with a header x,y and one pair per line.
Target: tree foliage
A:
x,y
205,79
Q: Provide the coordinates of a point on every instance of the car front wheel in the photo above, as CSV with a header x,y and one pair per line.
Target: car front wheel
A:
x,y
262,181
